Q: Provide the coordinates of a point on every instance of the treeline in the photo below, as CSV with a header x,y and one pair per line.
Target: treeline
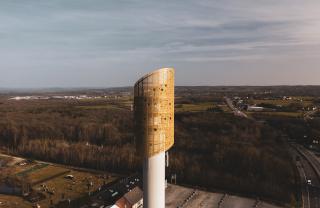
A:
x,y
304,131
212,150
224,152
120,158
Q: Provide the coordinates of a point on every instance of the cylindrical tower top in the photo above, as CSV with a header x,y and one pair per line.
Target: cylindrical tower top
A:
x,y
154,111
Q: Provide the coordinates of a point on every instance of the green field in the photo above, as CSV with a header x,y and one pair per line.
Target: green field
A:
x,y
46,173
8,201
200,107
278,114
71,189
32,169
50,180
283,102
98,107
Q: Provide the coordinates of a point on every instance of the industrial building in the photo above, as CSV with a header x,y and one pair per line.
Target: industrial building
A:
x,y
255,108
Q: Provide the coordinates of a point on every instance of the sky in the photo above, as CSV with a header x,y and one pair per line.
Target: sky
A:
x,y
111,43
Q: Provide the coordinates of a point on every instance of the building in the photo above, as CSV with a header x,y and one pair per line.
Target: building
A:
x,y
110,193
255,108
154,131
132,199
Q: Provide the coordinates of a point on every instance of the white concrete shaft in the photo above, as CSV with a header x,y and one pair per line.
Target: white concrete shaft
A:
x,y
154,181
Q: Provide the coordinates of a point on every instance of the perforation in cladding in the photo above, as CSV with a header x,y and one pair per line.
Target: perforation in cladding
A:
x,y
154,112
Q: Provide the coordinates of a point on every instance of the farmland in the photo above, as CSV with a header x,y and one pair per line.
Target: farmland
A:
x,y
54,183
236,152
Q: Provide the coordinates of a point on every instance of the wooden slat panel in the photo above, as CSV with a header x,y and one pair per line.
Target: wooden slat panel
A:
x,y
154,112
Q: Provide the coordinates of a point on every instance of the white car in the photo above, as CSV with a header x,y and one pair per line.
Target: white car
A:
x,y
309,182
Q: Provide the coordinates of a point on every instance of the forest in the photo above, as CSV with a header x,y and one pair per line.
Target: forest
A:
x,y
213,150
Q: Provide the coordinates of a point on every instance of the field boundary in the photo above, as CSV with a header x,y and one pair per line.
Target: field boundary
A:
x,y
49,178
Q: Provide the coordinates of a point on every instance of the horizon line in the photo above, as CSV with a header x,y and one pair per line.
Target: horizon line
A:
x,y
117,87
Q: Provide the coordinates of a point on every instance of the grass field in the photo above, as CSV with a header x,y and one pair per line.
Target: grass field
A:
x,y
7,201
71,189
32,169
119,105
200,107
4,160
225,108
279,114
98,107
193,107
126,103
45,173
63,189
51,181
283,102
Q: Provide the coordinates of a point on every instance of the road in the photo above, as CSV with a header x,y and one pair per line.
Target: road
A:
x,y
308,166
308,170
309,114
235,110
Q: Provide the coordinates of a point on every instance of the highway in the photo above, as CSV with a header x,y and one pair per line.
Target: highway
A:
x,y
309,169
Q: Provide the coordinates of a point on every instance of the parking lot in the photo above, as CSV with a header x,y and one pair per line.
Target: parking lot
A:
x,y
178,196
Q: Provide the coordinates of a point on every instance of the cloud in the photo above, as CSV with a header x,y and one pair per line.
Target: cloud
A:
x,y
124,38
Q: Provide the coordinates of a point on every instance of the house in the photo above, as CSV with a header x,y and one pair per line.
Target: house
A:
x,y
132,199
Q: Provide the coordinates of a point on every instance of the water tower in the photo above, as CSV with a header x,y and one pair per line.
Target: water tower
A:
x,y
154,130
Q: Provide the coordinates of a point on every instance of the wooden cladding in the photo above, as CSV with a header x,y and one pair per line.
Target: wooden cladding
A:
x,y
154,112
